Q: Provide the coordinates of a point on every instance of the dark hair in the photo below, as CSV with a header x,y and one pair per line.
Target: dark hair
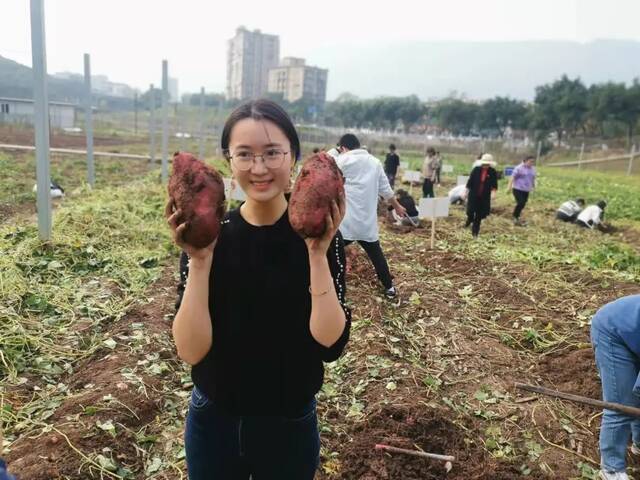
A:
x,y
431,150
262,109
602,204
580,201
402,193
392,147
529,157
349,141
316,150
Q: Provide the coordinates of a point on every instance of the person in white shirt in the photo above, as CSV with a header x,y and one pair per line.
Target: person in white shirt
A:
x,y
365,181
569,210
592,216
458,194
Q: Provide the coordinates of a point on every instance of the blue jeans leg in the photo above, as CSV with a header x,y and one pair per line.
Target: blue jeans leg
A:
x,y
220,446
284,448
618,368
213,442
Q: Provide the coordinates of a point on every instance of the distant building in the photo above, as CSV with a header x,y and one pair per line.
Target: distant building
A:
x,y
77,77
295,80
20,110
173,90
250,56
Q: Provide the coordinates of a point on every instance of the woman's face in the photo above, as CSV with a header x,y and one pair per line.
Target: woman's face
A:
x,y
260,183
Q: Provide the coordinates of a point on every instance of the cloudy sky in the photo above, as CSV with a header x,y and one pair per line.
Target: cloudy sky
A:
x,y
128,39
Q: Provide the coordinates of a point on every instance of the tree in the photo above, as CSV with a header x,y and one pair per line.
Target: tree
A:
x,y
629,111
456,115
411,110
210,99
156,94
500,112
560,107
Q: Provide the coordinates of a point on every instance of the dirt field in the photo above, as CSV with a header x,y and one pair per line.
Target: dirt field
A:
x,y
433,371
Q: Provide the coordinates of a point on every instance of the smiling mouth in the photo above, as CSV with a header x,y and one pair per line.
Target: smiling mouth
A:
x,y
261,183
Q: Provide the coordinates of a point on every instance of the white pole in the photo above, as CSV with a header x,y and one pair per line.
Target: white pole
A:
x,y
165,121
152,125
433,224
539,150
41,118
201,149
88,120
631,155
581,154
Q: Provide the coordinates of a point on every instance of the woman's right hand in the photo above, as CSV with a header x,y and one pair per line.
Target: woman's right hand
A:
x,y
204,254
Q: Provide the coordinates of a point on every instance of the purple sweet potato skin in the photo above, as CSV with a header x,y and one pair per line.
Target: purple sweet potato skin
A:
x,y
198,191
320,182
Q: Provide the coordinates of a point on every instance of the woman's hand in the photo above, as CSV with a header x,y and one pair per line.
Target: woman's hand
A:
x,y
320,245
177,231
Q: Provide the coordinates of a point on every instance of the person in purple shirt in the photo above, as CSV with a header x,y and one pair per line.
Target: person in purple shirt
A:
x,y
615,335
522,182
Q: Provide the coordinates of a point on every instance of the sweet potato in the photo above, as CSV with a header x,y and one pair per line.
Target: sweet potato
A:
x,y
198,191
319,183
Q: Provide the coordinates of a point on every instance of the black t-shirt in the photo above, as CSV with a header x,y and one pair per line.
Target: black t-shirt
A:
x,y
409,203
263,359
391,163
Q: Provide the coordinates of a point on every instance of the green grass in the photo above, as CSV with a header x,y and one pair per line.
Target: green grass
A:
x,y
105,250
621,192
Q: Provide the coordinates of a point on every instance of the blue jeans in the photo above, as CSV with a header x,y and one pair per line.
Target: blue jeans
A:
x,y
4,475
619,368
220,446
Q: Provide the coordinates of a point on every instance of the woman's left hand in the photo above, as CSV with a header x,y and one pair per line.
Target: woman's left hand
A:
x,y
320,245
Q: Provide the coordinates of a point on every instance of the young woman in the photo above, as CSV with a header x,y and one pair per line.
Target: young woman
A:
x,y
259,311
522,182
429,166
481,189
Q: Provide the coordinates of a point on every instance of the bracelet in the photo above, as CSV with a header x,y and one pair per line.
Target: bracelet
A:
x,y
319,294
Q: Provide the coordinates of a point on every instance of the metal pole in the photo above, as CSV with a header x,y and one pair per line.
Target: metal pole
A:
x,y
581,154
135,113
631,155
41,117
201,149
165,121
88,121
539,150
152,125
180,126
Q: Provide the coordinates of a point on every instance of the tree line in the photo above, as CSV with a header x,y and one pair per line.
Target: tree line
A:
x,y
565,107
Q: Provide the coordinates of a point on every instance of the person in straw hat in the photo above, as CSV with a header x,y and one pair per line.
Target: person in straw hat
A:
x,y
481,189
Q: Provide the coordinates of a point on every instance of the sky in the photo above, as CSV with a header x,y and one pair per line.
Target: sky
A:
x,y
128,39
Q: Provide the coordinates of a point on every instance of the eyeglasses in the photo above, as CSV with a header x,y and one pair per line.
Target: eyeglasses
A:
x,y
244,159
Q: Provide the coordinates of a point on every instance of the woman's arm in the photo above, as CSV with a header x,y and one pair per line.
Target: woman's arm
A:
x,y
327,321
192,331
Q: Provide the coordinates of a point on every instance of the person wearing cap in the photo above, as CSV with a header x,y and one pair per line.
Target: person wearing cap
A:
x,y
592,216
569,210
365,181
429,167
615,336
481,189
522,182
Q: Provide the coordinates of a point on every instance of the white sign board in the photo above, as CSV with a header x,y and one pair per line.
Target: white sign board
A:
x,y
462,179
404,165
232,190
447,168
411,176
433,207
